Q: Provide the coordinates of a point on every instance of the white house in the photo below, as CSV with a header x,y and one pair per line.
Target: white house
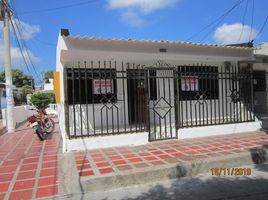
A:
x,y
130,92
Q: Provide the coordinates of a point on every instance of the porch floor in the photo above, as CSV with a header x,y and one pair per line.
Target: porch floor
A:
x,y
127,159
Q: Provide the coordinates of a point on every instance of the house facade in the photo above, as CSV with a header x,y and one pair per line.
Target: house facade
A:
x,y
130,92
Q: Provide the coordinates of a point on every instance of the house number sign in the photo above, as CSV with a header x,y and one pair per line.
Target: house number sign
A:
x,y
102,86
189,83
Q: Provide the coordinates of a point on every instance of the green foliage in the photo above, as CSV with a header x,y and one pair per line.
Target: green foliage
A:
x,y
26,89
41,100
47,75
19,78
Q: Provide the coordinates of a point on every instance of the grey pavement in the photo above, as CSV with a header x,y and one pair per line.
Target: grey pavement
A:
x,y
203,187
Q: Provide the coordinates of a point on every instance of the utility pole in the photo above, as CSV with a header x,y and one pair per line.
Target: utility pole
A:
x,y
8,73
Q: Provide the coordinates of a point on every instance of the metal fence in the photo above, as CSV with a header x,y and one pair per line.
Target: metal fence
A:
x,y
108,98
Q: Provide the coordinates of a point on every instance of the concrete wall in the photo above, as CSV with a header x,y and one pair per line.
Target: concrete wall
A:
x,y
21,113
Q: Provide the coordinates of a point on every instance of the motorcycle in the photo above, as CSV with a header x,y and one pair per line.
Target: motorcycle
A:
x,y
41,123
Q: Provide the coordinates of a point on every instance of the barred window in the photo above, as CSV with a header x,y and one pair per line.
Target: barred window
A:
x,y
91,86
198,82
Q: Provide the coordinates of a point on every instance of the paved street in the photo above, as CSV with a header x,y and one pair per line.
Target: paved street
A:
x,y
202,187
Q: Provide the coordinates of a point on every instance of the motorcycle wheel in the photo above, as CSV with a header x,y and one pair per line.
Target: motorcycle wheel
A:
x,y
49,126
40,133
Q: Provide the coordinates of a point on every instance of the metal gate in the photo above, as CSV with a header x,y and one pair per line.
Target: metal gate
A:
x,y
161,103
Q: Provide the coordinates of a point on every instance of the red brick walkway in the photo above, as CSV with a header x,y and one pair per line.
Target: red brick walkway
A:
x,y
120,160
28,166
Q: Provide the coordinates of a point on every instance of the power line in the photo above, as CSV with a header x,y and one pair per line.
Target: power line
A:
x,y
252,19
18,37
218,19
58,8
243,22
264,24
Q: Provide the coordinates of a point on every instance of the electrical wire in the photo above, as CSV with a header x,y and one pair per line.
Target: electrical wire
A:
x,y
58,8
252,19
263,26
221,18
243,22
18,37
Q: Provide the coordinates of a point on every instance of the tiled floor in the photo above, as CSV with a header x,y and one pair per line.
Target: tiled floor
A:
x,y
28,166
120,160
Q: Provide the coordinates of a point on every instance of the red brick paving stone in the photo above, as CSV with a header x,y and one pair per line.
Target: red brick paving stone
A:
x,y
28,167
47,191
157,152
190,152
48,172
195,147
96,155
157,162
99,159
141,165
83,166
103,164
144,154
81,162
25,184
26,175
30,160
170,150
49,164
4,187
150,158
21,195
10,162
6,177
47,181
106,170
86,173
2,196
203,150
124,167
119,162
50,158
177,154
182,149
164,156
115,157
130,155
7,169
205,146
214,149
134,160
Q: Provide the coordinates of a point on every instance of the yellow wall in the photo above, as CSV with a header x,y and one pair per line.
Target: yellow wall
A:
x,y
56,83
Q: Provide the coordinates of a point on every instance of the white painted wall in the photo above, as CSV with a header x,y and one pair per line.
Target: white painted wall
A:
x,y
21,114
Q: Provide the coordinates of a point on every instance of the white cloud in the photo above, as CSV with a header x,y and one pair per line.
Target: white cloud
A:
x,y
231,33
27,32
132,18
144,6
134,11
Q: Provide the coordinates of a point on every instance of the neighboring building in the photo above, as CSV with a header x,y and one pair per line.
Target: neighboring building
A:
x,y
260,82
122,91
48,85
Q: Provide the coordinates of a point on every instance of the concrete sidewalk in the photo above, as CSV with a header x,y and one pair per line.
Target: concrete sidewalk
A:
x,y
108,168
28,166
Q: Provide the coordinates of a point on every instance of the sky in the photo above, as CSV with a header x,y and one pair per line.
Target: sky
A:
x,y
200,21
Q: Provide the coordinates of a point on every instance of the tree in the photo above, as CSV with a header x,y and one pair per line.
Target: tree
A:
x,y
47,75
41,100
19,79
26,89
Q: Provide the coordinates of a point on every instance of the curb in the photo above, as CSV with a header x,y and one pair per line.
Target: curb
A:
x,y
180,169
